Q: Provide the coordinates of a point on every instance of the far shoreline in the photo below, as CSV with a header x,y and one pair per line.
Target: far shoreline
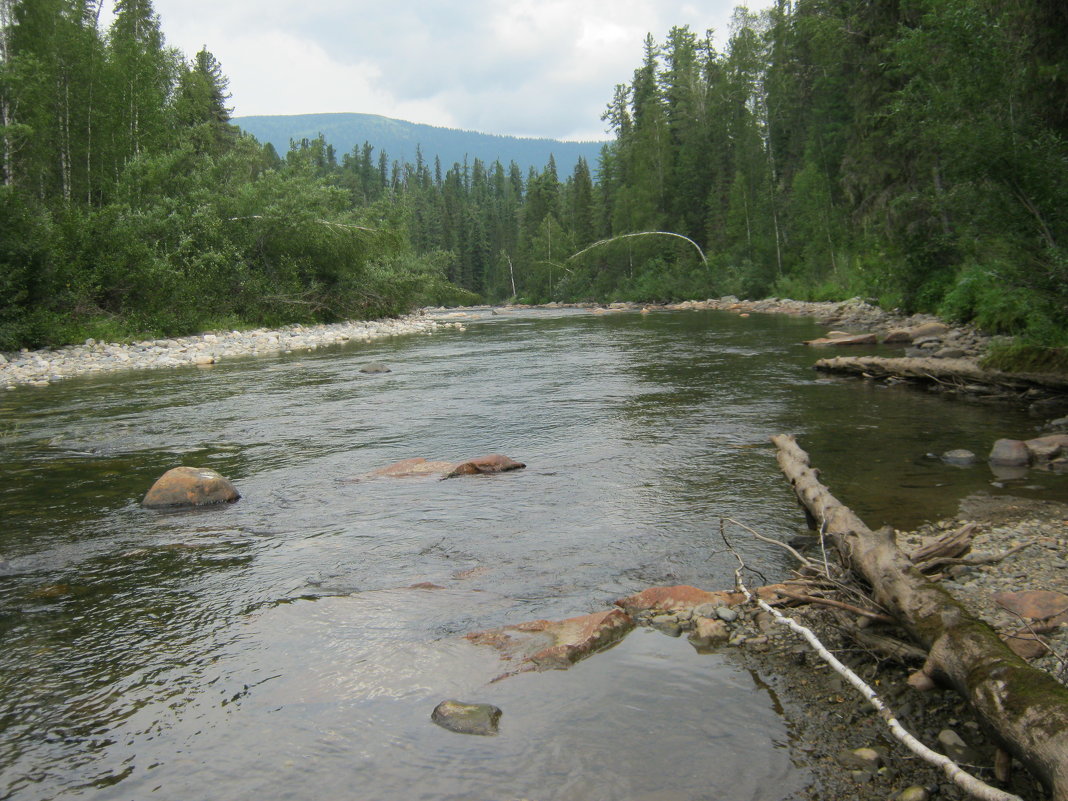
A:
x,y
45,366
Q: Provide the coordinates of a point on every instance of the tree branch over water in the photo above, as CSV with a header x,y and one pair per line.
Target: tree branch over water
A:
x,y
639,233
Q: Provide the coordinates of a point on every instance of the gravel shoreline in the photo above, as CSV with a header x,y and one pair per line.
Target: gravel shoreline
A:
x,y
45,366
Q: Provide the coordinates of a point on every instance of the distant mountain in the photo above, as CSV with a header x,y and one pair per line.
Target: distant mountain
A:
x,y
399,140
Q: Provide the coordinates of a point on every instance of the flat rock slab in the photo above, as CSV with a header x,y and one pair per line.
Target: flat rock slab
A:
x,y
188,487
556,644
683,596
464,718
1039,605
419,466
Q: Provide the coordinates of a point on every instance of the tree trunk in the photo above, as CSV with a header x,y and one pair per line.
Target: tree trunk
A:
x,y
1026,709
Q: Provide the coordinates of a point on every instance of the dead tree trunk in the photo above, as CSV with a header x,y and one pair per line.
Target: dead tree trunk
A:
x,y
1026,709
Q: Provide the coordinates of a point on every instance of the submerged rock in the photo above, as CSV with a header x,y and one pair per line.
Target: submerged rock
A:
x,y
556,644
958,456
419,466
189,486
491,463
465,718
375,368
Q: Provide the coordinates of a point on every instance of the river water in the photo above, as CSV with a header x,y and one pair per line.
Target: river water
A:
x,y
272,649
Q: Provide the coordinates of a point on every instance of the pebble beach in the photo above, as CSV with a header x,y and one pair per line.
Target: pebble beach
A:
x,y
46,366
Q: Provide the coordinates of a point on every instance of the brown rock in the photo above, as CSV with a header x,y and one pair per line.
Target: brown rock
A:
x,y
1026,644
709,631
189,486
548,644
924,330
1044,449
898,336
413,467
491,463
1010,453
1035,604
683,596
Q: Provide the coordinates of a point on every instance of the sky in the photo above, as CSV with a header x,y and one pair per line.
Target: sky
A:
x,y
543,68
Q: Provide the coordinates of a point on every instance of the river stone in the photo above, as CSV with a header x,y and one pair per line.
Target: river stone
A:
x,y
1035,604
1010,453
924,330
465,718
189,486
860,759
726,614
958,456
709,631
556,645
491,463
375,367
1044,449
914,792
951,744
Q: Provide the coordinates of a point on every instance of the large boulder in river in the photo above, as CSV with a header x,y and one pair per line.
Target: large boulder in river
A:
x,y
1044,449
189,486
1010,453
491,463
413,467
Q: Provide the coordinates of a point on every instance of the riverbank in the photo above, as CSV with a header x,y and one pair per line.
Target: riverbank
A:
x,y
43,367
838,737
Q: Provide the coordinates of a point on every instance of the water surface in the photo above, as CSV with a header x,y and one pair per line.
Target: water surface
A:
x,y
272,648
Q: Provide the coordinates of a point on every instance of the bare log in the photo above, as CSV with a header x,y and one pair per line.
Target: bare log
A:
x,y
952,372
1026,709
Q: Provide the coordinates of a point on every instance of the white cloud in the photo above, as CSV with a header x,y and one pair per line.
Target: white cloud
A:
x,y
525,67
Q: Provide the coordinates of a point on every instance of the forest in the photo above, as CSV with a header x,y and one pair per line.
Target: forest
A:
x,y
909,151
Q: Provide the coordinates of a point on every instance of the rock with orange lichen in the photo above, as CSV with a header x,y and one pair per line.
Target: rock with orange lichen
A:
x,y
683,596
188,487
556,644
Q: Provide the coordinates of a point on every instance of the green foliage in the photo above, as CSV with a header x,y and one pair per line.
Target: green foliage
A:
x,y
1026,357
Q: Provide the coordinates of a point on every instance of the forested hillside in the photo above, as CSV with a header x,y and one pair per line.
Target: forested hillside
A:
x,y
405,141
908,150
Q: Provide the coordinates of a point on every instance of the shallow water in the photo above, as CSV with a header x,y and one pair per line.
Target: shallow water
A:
x,y
271,649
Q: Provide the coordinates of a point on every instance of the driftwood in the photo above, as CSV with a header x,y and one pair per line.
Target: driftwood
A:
x,y
1024,708
958,373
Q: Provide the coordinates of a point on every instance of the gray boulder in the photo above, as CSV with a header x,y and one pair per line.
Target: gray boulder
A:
x,y
465,718
1010,453
958,456
375,368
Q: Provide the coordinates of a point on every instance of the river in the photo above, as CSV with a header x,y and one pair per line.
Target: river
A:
x,y
272,649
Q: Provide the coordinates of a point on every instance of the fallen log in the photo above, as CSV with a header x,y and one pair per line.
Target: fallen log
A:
x,y
959,373
1024,708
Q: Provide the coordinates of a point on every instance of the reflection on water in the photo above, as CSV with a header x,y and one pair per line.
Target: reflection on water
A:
x,y
271,648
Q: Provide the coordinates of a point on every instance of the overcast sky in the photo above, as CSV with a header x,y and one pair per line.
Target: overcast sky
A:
x,y
520,67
